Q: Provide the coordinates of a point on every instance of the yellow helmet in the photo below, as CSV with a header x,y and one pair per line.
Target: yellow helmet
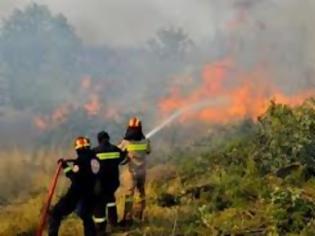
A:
x,y
134,123
81,142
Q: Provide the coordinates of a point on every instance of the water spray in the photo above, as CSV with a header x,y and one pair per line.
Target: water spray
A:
x,y
191,108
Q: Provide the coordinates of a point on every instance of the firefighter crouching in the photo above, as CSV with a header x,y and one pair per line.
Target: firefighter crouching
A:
x,y
137,147
80,193
110,157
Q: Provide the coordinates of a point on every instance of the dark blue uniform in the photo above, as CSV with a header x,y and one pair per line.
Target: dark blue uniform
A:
x,y
80,195
110,157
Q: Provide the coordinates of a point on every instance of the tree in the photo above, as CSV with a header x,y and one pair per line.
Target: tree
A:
x,y
287,135
170,44
39,52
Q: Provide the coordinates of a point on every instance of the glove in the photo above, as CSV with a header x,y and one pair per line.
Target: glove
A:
x,y
62,162
125,161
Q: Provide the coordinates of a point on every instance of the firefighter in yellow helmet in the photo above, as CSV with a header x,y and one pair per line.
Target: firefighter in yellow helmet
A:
x,y
137,147
80,194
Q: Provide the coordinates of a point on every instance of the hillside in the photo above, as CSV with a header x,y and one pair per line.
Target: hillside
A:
x,y
246,178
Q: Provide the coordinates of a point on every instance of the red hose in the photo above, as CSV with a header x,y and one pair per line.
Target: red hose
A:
x,y
51,191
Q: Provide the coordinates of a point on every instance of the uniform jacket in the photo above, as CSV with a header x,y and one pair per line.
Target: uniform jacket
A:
x,y
80,173
136,152
110,157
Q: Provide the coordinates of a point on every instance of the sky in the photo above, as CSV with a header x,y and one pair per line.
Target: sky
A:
x,y
132,22
129,22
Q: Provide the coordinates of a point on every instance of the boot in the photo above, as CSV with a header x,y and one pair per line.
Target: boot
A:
x,y
139,209
53,225
112,215
127,218
89,227
100,229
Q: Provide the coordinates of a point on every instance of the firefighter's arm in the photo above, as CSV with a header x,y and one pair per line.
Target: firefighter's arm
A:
x,y
72,171
123,148
123,154
122,145
124,157
68,170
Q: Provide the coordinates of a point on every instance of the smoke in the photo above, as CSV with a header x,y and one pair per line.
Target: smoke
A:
x,y
103,61
125,23
275,34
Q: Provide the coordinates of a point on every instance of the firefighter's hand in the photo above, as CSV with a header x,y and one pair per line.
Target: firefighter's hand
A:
x,y
62,162
125,161
124,153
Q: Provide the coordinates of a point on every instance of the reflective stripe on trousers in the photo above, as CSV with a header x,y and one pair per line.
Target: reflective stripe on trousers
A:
x,y
99,220
111,204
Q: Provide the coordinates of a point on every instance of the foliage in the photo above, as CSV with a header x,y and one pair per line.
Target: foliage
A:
x,y
287,135
290,211
246,196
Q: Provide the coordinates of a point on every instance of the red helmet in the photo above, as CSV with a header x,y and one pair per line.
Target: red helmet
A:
x,y
81,142
134,123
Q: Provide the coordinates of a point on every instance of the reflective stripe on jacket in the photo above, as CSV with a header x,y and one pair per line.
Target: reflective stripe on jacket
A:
x,y
137,151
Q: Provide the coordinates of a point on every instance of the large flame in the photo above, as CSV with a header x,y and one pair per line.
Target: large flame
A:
x,y
248,94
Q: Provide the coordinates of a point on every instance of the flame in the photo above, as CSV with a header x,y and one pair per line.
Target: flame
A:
x,y
93,107
57,116
61,113
40,122
248,94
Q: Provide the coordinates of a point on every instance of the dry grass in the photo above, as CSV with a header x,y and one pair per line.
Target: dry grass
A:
x,y
24,177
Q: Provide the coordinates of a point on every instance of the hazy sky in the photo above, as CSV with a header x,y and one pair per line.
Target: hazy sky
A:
x,y
129,22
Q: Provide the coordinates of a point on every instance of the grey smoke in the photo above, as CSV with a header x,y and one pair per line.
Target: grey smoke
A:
x,y
126,23
120,49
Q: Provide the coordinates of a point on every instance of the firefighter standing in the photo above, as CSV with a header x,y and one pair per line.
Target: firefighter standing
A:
x,y
110,157
80,192
137,147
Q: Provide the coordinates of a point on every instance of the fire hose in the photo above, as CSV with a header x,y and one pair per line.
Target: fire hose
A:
x,y
50,194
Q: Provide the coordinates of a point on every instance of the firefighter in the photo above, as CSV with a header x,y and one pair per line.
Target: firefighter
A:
x,y
137,147
110,157
80,193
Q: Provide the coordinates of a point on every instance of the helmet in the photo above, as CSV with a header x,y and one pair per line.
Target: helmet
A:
x,y
81,142
102,135
134,123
